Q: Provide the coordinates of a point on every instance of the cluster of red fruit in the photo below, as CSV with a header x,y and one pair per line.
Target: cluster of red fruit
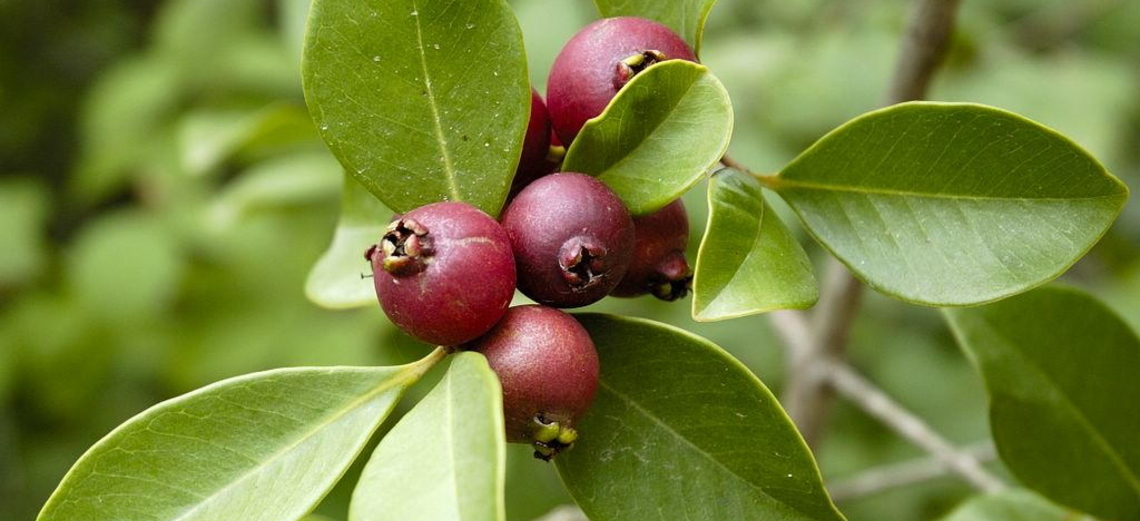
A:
x,y
445,273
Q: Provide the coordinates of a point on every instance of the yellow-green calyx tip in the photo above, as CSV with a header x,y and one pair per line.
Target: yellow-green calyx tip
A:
x,y
551,438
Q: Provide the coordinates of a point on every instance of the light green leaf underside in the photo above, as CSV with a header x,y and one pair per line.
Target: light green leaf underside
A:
x,y
259,447
338,279
1061,372
421,101
663,131
686,17
446,459
951,204
1012,505
748,260
681,430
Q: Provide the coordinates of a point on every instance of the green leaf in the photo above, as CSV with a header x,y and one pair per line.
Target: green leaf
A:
x,y
686,17
1011,505
288,180
951,204
748,261
23,229
208,138
336,280
421,101
446,459
681,430
259,447
1060,369
663,131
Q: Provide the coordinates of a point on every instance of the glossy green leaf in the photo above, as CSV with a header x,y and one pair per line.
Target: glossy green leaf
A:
x,y
1061,372
421,101
1012,505
949,203
686,17
681,429
339,278
446,459
748,261
258,447
663,131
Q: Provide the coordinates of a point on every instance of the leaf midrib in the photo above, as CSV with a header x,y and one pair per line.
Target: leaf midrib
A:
x,y
616,165
441,140
698,450
782,184
1130,477
752,251
397,380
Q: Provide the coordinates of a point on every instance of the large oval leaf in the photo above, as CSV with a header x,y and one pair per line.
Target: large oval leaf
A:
x,y
339,279
1061,372
686,17
681,430
421,101
657,137
748,261
949,203
1011,505
258,447
445,460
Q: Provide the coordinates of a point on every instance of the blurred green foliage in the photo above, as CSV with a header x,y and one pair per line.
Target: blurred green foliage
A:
x,y
163,196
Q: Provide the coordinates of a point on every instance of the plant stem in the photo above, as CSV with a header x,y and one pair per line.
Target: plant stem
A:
x,y
875,402
807,397
728,161
898,475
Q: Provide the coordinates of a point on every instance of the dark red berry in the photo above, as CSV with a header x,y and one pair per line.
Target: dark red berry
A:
x,y
572,238
536,146
548,367
600,60
659,266
444,273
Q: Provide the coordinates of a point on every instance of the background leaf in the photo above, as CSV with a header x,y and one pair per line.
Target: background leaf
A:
x,y
1060,369
681,427
446,458
748,261
658,136
335,280
421,101
259,447
951,204
1011,505
686,17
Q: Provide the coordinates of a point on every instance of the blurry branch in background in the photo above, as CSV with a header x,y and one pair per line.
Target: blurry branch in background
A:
x,y
902,474
882,407
817,344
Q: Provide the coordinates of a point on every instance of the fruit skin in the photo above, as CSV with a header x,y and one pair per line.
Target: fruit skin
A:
x,y
589,70
536,146
572,237
444,273
659,266
548,367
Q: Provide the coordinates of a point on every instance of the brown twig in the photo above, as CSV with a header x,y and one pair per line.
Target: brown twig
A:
x,y
897,475
807,396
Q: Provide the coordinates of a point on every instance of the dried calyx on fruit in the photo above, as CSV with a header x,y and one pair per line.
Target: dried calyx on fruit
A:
x,y
599,61
444,273
659,266
572,237
548,368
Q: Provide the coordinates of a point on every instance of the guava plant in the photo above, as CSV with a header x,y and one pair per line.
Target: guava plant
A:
x,y
571,199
